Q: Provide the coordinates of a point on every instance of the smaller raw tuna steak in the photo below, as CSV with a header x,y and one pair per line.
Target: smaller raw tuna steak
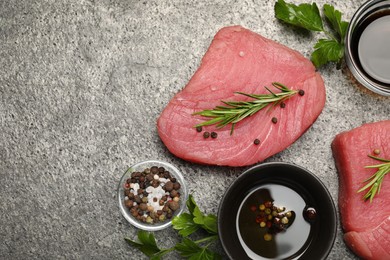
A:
x,y
239,60
366,225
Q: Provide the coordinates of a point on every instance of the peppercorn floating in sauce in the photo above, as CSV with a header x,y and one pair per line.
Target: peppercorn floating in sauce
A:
x,y
152,195
271,223
275,219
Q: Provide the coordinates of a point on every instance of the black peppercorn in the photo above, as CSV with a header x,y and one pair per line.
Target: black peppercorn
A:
x,y
282,105
274,120
214,135
256,141
301,92
198,129
206,134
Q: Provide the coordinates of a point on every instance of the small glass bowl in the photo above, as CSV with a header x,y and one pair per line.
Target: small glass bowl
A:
x,y
140,167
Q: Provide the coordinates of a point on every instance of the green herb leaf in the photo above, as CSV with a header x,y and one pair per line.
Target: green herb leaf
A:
x,y
326,51
375,181
185,224
191,204
189,249
304,15
147,243
334,18
308,16
208,223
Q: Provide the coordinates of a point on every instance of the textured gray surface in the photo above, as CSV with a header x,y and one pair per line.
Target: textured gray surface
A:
x,y
82,84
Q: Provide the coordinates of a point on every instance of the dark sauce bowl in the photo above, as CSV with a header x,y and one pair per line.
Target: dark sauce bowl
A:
x,y
367,13
319,237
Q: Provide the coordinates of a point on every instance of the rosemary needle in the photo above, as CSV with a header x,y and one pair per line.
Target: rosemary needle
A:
x,y
375,181
235,111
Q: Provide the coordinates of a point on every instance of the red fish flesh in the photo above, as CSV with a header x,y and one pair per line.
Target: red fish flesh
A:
x,y
241,60
366,225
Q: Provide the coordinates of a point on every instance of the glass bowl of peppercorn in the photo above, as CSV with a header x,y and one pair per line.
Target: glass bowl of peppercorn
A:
x,y
151,193
277,210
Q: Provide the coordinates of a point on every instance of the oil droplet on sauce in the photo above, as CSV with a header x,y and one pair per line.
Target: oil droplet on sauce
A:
x,y
290,244
373,49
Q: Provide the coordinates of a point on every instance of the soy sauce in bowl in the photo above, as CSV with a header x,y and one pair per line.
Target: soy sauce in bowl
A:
x,y
291,241
311,230
367,43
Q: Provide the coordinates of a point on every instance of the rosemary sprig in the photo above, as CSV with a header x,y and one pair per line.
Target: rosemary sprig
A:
x,y
375,181
235,111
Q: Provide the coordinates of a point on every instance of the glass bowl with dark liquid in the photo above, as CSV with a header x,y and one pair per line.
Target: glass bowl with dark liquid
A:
x,y
248,231
367,46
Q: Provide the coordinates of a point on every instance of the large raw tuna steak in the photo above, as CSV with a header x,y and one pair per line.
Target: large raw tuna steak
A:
x,y
241,60
366,224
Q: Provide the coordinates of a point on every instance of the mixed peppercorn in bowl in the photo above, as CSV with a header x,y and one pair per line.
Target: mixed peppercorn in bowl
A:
x,y
151,193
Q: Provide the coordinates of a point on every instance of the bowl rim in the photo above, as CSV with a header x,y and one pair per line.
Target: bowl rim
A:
x,y
304,171
367,8
183,197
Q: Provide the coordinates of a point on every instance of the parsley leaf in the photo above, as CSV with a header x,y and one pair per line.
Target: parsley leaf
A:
x,y
186,224
304,15
189,249
307,16
209,222
327,50
147,243
334,18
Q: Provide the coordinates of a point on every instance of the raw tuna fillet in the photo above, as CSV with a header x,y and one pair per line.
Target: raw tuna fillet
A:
x,y
366,225
241,60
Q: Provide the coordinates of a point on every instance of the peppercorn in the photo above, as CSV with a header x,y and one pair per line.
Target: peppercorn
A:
x,y
173,205
143,206
206,134
256,141
282,105
168,186
154,169
198,129
149,177
301,92
128,203
174,193
267,237
310,214
167,175
214,135
274,120
176,186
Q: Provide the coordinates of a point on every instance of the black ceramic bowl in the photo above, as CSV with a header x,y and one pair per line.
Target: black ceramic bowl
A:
x,y
285,185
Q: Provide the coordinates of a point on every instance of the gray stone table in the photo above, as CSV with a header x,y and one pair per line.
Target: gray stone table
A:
x,y
81,86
